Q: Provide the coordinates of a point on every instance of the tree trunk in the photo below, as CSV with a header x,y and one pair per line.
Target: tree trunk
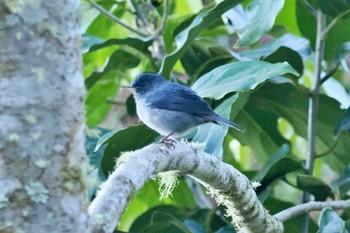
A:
x,y
42,161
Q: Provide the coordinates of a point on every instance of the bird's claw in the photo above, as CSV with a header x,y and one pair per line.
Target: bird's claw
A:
x,y
168,142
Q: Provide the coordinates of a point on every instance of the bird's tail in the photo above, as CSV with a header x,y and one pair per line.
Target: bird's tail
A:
x,y
230,123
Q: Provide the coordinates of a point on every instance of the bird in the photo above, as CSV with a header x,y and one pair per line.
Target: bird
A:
x,y
170,108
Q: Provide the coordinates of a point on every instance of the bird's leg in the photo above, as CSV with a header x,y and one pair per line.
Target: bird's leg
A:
x,y
168,141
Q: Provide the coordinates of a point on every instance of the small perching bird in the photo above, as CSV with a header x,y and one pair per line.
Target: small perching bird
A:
x,y
170,108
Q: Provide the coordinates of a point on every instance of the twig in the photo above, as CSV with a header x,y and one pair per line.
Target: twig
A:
x,y
139,12
311,8
115,18
287,214
330,73
313,107
164,19
333,22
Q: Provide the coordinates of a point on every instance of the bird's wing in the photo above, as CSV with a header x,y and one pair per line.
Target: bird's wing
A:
x,y
175,97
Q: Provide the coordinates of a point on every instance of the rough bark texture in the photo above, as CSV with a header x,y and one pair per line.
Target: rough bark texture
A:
x,y
42,162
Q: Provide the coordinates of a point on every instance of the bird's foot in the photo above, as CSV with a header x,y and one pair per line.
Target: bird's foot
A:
x,y
168,142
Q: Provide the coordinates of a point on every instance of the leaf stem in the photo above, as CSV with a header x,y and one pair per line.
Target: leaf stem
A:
x,y
313,106
330,73
115,18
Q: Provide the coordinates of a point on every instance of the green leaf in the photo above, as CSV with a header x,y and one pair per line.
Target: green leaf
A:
x,y
298,44
338,35
227,229
343,51
285,54
121,141
103,139
159,218
95,156
342,184
261,135
97,106
212,134
238,76
90,40
211,220
344,123
330,222
119,60
315,186
274,205
334,8
184,39
262,17
285,101
135,43
274,159
203,56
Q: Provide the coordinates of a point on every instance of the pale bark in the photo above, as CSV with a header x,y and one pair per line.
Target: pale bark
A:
x,y
42,161
230,187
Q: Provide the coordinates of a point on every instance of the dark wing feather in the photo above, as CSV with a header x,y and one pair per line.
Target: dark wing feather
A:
x,y
175,97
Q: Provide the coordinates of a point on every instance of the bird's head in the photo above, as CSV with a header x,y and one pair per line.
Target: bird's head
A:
x,y
145,82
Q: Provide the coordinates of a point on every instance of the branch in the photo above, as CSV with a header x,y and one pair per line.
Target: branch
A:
x,y
333,22
115,18
229,187
287,214
164,19
313,106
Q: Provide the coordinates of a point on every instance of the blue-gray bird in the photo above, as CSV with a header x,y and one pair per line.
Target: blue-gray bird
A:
x,y
170,108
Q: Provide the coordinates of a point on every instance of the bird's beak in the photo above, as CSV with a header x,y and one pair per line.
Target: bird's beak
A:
x,y
129,88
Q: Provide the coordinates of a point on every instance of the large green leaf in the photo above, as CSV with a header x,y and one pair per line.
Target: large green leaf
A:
x,y
277,166
330,222
212,135
149,220
334,8
342,184
262,17
285,101
135,43
344,123
95,156
202,21
338,35
119,60
298,44
315,186
285,54
238,76
293,225
203,56
121,141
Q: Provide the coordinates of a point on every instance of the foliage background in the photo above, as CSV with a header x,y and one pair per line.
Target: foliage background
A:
x,y
236,62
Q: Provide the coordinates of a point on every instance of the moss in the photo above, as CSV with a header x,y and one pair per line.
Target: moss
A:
x,y
30,119
13,137
4,201
37,192
15,6
72,179
167,183
42,163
